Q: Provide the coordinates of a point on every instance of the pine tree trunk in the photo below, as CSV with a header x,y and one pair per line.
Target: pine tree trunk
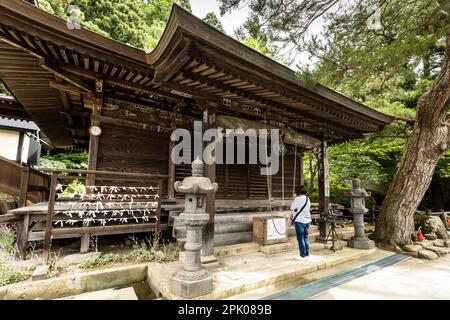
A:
x,y
428,141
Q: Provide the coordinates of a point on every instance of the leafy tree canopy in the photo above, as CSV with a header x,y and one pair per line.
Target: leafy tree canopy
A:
x,y
134,22
65,161
384,54
369,50
3,89
214,21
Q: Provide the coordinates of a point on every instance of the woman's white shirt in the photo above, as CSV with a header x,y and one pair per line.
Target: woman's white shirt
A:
x,y
297,204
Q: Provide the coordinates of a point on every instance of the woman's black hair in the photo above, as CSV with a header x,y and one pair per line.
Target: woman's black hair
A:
x,y
301,190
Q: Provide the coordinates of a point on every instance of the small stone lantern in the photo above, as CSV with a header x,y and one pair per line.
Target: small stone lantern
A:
x,y
358,208
193,280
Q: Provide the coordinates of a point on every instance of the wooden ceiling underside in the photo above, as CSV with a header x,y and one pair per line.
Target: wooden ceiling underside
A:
x,y
10,108
51,72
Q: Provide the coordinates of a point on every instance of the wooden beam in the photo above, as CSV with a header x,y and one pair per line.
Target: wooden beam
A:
x,y
77,113
79,83
209,121
131,124
66,87
274,106
171,168
173,63
115,82
324,189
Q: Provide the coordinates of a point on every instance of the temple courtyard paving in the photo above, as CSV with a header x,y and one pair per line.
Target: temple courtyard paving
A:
x,y
408,279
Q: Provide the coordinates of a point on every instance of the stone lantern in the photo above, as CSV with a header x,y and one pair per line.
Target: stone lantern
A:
x,y
193,280
358,208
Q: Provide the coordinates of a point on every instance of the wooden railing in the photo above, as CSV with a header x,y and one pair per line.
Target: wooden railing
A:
x,y
105,207
23,182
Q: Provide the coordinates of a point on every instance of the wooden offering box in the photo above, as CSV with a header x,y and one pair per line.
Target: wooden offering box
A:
x,y
269,230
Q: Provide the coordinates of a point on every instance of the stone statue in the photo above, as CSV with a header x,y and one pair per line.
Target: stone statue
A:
x,y
193,280
358,208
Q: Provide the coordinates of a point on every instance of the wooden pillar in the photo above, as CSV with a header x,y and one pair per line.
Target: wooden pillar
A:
x,y
24,181
49,220
171,169
324,189
19,147
23,226
96,103
209,121
301,168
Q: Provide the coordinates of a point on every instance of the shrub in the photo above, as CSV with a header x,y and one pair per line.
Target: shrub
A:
x,y
7,239
143,251
8,272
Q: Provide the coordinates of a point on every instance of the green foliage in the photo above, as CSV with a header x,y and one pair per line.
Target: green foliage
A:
x,y
133,22
373,159
68,161
3,89
65,161
143,251
75,188
443,167
387,68
7,239
213,21
8,271
100,260
54,268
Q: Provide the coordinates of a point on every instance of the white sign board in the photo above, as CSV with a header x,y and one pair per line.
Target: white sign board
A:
x,y
276,228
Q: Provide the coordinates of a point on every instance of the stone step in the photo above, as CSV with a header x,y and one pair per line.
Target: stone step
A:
x,y
232,227
245,217
224,239
108,294
241,273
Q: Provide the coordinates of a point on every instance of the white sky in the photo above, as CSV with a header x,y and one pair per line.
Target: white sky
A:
x,y
231,21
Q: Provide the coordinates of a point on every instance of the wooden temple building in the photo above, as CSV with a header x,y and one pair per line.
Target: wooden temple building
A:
x,y
67,80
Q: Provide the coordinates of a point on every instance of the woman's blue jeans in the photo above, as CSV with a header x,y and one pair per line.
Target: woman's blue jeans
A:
x,y
302,229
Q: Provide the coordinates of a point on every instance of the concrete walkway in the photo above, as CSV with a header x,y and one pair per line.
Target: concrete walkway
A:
x,y
412,279
242,273
284,286
108,294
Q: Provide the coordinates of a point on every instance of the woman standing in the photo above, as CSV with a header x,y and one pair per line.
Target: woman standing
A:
x,y
301,217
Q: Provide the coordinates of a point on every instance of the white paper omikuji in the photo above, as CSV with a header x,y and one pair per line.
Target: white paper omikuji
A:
x,y
114,189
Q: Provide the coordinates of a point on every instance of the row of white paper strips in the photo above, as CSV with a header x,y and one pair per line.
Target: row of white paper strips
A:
x,y
93,213
112,189
110,196
109,205
88,221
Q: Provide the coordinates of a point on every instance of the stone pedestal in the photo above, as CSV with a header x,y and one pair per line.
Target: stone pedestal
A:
x,y
193,280
209,262
364,244
191,284
358,209
324,229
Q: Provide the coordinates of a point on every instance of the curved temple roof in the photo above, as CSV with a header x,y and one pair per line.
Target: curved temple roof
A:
x,y
52,70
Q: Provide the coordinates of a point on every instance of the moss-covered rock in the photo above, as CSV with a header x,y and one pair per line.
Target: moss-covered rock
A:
x,y
431,224
7,202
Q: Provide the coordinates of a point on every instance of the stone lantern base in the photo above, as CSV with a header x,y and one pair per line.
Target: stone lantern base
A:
x,y
189,284
364,244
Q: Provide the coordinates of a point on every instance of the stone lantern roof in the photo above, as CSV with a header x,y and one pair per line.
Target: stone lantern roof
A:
x,y
197,183
357,191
